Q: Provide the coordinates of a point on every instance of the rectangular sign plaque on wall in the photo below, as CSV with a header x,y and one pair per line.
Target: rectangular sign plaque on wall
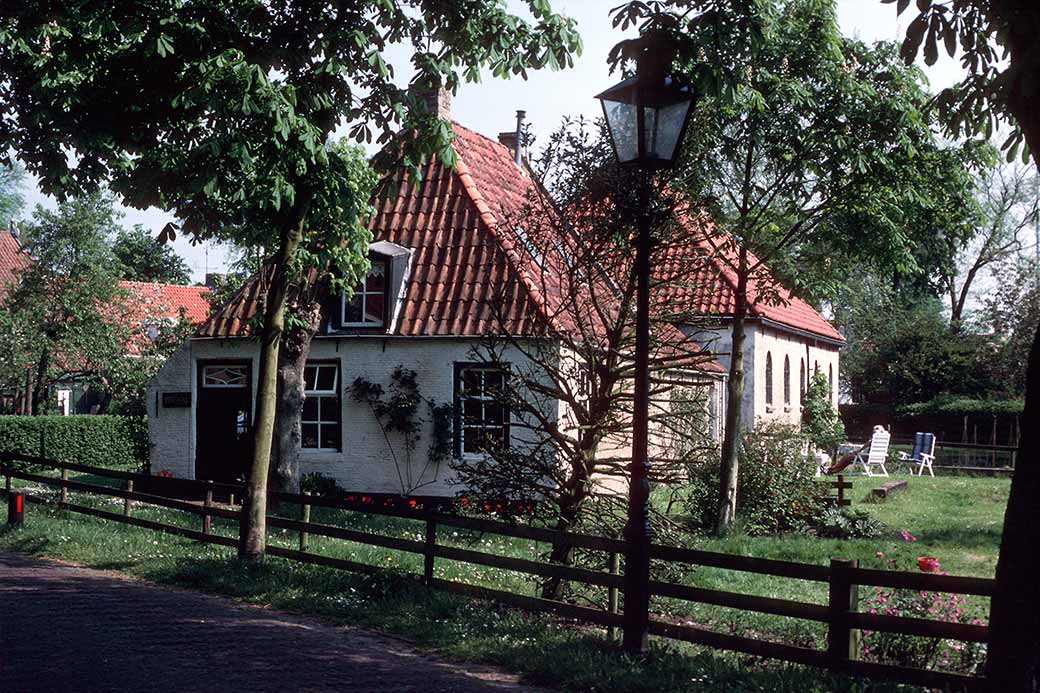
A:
x,y
172,400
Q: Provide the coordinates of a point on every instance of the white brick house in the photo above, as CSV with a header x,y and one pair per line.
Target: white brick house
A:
x,y
440,254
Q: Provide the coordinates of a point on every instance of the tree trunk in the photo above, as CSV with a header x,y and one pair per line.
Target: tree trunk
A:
x,y
1014,647
253,525
562,554
292,359
734,412
39,390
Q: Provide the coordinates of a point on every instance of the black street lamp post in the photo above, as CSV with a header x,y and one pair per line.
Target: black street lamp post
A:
x,y
647,116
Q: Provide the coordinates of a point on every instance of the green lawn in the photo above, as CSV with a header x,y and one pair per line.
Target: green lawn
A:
x,y
956,519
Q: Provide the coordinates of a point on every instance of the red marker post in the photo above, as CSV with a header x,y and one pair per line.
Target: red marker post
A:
x,y
16,508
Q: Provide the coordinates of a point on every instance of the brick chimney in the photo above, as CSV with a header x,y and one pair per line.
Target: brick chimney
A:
x,y
437,100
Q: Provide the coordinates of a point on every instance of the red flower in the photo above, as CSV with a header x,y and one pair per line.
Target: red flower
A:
x,y
928,564
907,536
165,473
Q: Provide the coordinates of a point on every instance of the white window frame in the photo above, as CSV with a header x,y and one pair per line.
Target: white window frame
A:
x,y
363,292
461,398
323,396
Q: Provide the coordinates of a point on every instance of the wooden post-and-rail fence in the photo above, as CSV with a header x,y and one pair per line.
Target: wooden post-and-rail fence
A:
x,y
841,613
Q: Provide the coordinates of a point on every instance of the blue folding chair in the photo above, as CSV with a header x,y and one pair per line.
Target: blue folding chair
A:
x,y
922,455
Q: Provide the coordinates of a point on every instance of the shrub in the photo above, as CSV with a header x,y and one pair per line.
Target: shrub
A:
x,y
114,442
776,489
820,420
843,523
321,485
920,652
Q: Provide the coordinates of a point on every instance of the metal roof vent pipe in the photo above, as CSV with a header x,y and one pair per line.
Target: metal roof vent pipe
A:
x,y
518,152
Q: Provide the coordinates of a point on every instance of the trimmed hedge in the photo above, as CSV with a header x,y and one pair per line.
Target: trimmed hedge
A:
x,y
115,442
962,406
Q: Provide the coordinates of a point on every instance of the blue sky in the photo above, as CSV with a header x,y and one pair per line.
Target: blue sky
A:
x,y
490,107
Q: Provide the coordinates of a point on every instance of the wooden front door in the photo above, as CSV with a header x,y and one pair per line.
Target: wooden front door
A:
x,y
224,421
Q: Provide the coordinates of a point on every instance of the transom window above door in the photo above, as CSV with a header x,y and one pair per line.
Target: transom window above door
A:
x,y
320,423
225,376
367,307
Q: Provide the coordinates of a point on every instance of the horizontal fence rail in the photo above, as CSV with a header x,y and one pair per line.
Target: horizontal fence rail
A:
x,y
840,613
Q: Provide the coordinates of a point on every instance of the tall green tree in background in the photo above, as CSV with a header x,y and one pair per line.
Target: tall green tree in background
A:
x,y
804,141
11,199
63,315
220,112
145,259
997,44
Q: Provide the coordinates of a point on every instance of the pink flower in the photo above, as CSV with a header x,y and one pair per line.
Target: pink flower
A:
x,y
928,564
879,554
907,536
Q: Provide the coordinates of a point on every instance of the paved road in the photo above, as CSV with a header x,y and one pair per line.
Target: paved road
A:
x,y
67,628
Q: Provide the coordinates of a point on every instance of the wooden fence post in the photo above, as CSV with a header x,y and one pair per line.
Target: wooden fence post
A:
x,y
843,641
64,497
428,555
612,592
305,516
126,501
207,519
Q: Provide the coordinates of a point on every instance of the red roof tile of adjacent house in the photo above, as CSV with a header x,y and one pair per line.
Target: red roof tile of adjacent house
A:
x,y
155,300
12,261
713,290
466,254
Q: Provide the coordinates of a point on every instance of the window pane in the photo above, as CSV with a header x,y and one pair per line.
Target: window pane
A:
x,y
493,438
328,409
472,411
471,440
326,378
374,308
494,413
376,279
310,409
471,381
330,436
309,373
492,381
309,435
352,309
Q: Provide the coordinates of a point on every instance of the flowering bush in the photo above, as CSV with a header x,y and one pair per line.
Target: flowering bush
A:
x,y
777,490
916,651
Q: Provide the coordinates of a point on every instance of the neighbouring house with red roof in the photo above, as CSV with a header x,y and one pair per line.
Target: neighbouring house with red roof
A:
x,y
148,305
446,271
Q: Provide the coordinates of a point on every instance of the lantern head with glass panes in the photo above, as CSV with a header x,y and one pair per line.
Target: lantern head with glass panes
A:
x,y
647,114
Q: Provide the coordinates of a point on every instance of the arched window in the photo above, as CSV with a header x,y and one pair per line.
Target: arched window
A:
x,y
769,378
787,380
801,381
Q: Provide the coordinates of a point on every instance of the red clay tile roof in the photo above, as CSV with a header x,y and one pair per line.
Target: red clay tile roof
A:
x,y
713,290
465,256
12,260
156,300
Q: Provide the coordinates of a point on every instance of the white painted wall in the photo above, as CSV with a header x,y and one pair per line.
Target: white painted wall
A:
x,y
364,462
762,339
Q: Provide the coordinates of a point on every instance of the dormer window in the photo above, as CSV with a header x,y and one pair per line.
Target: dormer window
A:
x,y
367,307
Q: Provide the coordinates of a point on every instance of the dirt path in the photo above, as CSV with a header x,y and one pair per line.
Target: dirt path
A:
x,y
68,628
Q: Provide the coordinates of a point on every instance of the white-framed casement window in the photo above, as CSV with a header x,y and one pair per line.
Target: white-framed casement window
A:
x,y
482,417
367,307
320,424
225,376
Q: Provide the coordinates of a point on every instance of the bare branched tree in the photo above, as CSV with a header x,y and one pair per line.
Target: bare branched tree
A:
x,y
1007,205
567,391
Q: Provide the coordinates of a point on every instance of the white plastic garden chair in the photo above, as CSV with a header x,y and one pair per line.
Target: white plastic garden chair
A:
x,y
875,453
922,455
